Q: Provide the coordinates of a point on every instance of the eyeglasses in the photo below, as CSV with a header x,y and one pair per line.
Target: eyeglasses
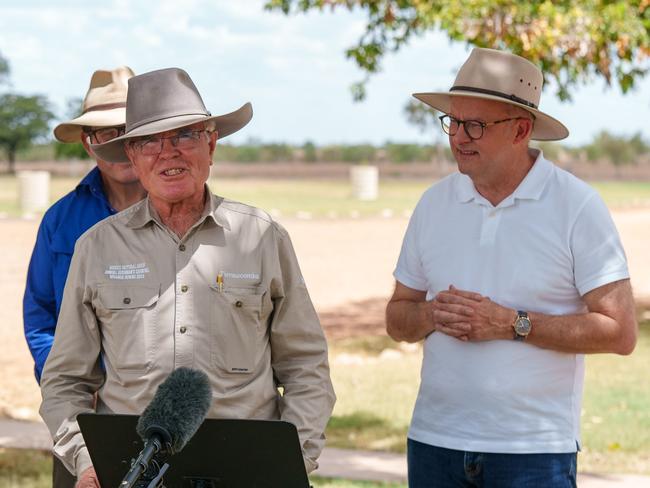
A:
x,y
105,134
183,140
473,128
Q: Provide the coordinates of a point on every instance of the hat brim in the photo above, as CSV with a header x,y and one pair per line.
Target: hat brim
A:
x,y
113,151
546,128
71,131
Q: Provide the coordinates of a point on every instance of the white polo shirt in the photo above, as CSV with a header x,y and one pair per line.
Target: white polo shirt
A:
x,y
539,250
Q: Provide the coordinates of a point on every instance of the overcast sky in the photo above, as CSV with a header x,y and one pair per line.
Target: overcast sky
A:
x,y
292,69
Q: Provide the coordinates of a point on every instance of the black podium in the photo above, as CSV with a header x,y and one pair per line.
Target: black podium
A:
x,y
224,453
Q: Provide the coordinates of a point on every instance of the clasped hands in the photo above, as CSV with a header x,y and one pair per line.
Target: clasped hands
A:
x,y
470,316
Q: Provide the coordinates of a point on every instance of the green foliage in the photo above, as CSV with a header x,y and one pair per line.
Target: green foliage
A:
x,y
37,152
309,152
572,42
408,153
618,150
551,150
23,120
422,116
75,150
4,70
277,152
253,152
348,153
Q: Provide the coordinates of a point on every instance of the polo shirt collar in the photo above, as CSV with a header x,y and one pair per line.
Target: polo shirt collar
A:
x,y
530,188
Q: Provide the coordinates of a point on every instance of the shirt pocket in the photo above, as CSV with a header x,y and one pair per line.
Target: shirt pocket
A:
x,y
236,320
127,316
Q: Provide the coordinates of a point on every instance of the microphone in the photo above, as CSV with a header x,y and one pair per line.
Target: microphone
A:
x,y
171,419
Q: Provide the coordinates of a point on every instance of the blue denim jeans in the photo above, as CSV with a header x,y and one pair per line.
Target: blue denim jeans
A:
x,y
436,467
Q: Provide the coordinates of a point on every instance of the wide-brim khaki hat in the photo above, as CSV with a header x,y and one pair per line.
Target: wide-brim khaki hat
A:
x,y
503,77
104,104
164,100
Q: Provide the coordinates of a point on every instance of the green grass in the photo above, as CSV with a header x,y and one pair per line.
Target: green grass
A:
x,y
324,198
616,410
25,469
624,193
376,397
338,483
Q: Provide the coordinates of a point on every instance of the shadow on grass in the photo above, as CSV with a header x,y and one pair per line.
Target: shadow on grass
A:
x,y
364,430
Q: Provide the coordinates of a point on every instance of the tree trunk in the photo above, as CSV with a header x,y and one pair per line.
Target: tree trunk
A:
x,y
11,153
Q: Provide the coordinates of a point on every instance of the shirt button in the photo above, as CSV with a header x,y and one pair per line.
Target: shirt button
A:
x,y
184,288
126,300
181,247
183,329
238,303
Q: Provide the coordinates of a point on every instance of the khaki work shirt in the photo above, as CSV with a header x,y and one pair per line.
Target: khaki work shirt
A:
x,y
228,299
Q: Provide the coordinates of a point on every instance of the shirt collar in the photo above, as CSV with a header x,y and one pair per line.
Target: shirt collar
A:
x,y
92,180
144,212
530,188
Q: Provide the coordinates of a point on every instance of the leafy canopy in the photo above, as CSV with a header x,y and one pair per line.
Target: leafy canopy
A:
x,y
573,42
22,120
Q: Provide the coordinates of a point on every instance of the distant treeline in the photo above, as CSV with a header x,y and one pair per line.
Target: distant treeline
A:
x,y
606,147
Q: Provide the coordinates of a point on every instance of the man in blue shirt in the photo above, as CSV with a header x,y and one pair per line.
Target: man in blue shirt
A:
x,y
107,189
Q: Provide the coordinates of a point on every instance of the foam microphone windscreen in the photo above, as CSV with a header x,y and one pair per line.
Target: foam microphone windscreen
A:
x,y
178,408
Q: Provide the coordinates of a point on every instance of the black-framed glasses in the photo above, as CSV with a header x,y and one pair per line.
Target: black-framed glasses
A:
x,y
473,128
183,140
104,134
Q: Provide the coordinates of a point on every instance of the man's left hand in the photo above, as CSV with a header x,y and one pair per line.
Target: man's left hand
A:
x,y
485,319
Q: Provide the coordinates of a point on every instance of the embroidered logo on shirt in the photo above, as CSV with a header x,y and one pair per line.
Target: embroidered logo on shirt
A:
x,y
242,276
127,271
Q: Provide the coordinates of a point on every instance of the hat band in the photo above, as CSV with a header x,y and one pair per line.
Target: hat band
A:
x,y
513,98
105,106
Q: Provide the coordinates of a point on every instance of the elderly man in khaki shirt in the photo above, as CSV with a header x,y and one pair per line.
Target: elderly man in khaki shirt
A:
x,y
183,278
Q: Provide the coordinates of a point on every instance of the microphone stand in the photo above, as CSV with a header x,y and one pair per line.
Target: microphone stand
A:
x,y
154,445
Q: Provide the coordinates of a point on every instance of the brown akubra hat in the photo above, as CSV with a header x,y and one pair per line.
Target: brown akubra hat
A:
x,y
164,100
103,106
504,77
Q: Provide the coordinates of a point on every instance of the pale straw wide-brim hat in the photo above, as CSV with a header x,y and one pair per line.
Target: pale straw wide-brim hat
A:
x,y
164,100
504,77
103,106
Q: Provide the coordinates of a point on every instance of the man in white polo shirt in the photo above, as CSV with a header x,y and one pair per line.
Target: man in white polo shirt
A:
x,y
511,270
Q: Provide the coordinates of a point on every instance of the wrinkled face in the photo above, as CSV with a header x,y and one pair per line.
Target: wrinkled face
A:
x,y
173,166
122,173
495,147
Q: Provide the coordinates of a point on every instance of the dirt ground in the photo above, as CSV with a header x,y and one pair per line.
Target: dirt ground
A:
x,y
347,265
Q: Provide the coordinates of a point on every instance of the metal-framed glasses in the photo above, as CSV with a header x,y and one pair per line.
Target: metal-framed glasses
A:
x,y
105,134
182,140
473,128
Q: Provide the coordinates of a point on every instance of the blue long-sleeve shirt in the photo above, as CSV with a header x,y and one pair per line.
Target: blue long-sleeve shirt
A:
x,y
60,228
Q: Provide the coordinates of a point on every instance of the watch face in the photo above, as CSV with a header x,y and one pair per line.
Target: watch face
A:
x,y
522,326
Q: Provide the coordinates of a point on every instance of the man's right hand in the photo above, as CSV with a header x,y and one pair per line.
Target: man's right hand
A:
x,y
88,479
